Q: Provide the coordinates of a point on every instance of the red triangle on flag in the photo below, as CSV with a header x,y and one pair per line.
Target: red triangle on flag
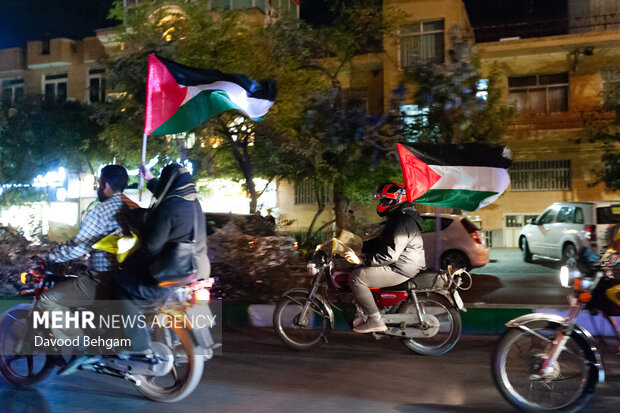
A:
x,y
164,95
418,176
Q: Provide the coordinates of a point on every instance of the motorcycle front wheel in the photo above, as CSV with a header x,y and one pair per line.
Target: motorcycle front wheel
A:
x,y
517,361
21,370
300,334
438,310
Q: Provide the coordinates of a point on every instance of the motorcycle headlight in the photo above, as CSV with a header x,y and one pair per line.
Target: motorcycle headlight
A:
x,y
568,276
312,269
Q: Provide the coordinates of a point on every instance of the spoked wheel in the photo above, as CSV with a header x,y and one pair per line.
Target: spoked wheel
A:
x,y
518,358
441,321
184,372
296,333
29,368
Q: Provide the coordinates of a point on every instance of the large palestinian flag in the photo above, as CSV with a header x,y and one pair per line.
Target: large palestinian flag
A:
x,y
467,176
179,97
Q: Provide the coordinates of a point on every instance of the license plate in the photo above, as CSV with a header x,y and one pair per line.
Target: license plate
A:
x,y
458,300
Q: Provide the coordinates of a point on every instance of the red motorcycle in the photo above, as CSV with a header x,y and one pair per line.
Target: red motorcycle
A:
x,y
423,311
172,372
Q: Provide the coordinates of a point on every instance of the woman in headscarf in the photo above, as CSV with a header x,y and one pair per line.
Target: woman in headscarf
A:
x,y
171,220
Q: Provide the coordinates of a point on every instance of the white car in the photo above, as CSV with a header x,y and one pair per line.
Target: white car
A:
x,y
461,243
566,227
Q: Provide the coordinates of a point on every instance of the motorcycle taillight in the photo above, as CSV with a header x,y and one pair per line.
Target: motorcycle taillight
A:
x,y
201,296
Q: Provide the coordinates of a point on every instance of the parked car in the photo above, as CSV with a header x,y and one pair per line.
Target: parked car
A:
x,y
462,244
566,227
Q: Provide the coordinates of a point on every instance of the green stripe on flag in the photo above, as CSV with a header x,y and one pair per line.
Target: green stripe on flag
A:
x,y
192,113
454,198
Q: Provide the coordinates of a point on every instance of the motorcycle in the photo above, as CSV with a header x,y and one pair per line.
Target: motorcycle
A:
x,y
545,362
423,311
169,374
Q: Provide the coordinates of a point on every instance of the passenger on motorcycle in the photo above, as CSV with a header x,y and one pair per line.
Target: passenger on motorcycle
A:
x,y
170,220
390,259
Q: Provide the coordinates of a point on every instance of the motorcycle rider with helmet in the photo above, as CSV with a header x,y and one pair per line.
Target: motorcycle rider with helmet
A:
x,y
390,259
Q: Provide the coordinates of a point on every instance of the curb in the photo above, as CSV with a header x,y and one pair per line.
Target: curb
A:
x,y
489,320
475,320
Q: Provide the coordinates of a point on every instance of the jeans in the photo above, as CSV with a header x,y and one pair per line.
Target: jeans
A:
x,y
377,277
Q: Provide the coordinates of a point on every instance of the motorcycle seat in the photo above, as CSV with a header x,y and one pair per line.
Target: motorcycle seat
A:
x,y
425,279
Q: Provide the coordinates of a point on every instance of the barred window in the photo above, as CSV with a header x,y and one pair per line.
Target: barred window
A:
x,y
304,193
541,176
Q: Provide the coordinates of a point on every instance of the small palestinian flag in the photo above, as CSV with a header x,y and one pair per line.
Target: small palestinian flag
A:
x,y
467,176
179,97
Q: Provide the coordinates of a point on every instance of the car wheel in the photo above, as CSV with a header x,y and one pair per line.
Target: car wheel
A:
x,y
525,250
457,259
569,255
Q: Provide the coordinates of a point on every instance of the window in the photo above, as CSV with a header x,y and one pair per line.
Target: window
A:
x,y
421,40
482,90
96,85
539,93
304,193
578,216
12,92
547,217
430,223
565,215
55,88
356,99
540,176
610,87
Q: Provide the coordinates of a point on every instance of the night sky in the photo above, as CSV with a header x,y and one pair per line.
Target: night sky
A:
x,y
23,20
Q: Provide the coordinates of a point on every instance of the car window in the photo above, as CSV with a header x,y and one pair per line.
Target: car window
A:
x,y
608,215
578,216
546,217
565,215
429,224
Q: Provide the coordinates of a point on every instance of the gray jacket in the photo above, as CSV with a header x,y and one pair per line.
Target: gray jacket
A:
x,y
400,244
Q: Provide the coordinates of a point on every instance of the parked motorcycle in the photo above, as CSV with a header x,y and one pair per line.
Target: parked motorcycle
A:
x,y
423,311
546,362
170,374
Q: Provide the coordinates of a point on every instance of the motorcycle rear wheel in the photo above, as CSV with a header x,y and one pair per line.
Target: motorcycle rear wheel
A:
x,y
185,374
288,328
26,370
450,325
517,360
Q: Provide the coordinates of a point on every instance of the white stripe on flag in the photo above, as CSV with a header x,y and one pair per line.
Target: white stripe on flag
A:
x,y
474,178
253,107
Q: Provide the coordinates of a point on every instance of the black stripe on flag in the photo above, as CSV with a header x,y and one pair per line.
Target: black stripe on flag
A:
x,y
467,154
193,76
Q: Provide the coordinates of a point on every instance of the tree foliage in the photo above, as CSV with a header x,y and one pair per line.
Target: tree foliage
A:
x,y
454,106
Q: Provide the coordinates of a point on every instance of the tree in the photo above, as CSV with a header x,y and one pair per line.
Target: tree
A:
x,y
454,104
38,137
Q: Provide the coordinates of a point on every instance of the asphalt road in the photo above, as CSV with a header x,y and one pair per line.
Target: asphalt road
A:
x,y
352,373
508,281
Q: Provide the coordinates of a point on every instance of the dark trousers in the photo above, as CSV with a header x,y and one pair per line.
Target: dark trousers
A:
x,y
134,296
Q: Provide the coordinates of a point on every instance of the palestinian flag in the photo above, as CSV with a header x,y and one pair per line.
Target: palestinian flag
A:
x,y
179,97
467,176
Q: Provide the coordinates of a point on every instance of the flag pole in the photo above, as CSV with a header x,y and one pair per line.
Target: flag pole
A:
x,y
144,161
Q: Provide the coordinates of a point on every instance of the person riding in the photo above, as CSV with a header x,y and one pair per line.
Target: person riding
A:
x,y
112,214
390,259
172,220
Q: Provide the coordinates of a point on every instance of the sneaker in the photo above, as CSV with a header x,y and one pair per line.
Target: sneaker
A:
x,y
76,363
359,319
372,325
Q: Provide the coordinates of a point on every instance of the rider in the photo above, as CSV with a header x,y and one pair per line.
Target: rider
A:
x,y
390,259
172,220
113,213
